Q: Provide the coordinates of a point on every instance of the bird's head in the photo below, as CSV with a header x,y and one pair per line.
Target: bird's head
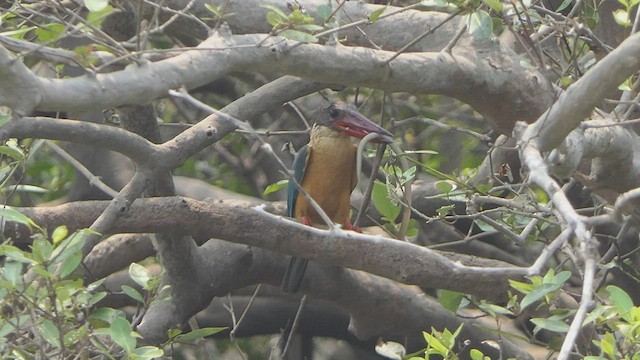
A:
x,y
342,118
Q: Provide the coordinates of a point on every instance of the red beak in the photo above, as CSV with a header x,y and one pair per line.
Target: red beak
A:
x,y
355,124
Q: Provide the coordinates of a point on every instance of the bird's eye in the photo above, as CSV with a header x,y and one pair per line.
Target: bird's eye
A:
x,y
333,112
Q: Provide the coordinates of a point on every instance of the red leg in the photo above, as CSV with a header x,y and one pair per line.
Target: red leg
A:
x,y
347,226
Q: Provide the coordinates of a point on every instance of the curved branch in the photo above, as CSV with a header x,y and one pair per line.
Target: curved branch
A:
x,y
397,260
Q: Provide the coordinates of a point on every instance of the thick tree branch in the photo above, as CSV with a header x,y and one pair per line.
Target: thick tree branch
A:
x,y
393,259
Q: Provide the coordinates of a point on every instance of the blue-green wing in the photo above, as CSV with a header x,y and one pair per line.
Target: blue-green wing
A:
x,y
299,165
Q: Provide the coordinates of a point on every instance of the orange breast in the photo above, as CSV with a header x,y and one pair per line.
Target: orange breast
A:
x,y
329,178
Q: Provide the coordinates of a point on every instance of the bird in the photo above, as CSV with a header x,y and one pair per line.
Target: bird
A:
x,y
325,168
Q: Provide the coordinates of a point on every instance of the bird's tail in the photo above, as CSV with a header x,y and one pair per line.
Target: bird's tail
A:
x,y
295,273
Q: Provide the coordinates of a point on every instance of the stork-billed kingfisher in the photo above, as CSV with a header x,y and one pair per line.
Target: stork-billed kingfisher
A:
x,y
325,168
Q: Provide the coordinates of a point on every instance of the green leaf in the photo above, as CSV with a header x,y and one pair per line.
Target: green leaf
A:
x,y
102,317
412,229
520,286
16,254
273,19
622,17
70,245
558,326
450,300
537,294
309,27
479,24
476,354
70,264
390,349
296,35
277,11
4,119
324,11
96,18
49,331
494,309
60,233
19,33
133,293
13,152
563,6
445,210
120,331
13,215
434,3
214,9
146,352
96,5
42,249
381,202
376,14
12,271
434,344
198,334
275,186
621,300
495,5
139,274
444,186
50,32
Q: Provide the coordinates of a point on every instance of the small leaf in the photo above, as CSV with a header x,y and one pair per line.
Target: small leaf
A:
x,y
273,19
13,152
70,264
12,271
476,354
563,6
444,186
120,331
558,326
13,215
4,119
622,18
381,202
390,350
276,10
494,309
214,9
60,233
480,24
139,274
96,5
16,254
434,3
198,334
133,293
324,11
445,210
147,352
50,32
621,300
450,300
376,14
276,186
495,5
537,294
49,331
296,35
96,18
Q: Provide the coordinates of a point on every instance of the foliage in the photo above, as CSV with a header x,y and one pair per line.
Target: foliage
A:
x,y
47,309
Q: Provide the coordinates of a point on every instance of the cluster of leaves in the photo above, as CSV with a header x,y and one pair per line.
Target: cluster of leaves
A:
x,y
616,319
48,311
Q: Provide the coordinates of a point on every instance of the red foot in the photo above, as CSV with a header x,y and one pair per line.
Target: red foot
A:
x,y
348,226
306,220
